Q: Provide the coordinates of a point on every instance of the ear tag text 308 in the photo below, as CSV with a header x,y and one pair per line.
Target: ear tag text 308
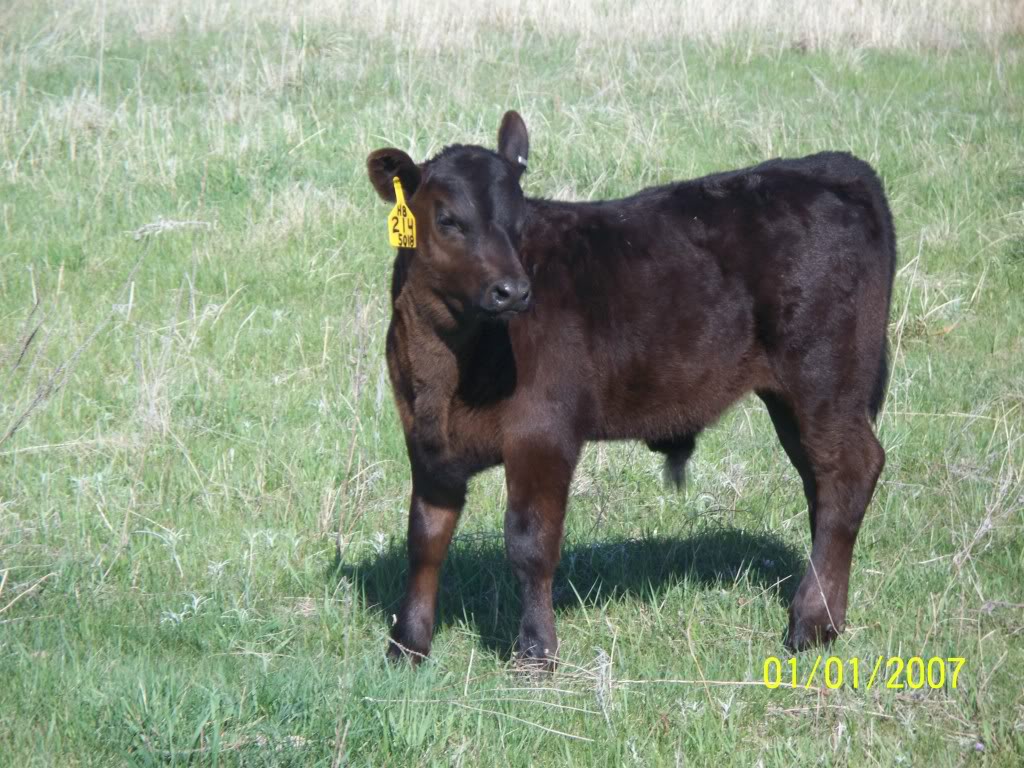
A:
x,y
401,222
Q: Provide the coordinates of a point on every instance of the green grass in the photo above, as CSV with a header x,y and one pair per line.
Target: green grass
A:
x,y
209,422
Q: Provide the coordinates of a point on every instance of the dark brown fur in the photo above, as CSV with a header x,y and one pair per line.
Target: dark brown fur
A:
x,y
522,328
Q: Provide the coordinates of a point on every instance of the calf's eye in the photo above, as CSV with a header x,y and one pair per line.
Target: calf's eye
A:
x,y
446,221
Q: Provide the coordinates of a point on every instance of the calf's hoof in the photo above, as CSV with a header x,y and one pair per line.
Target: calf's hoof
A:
x,y
809,628
405,646
534,665
536,655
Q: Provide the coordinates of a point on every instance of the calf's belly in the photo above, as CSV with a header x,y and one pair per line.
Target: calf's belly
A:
x,y
667,406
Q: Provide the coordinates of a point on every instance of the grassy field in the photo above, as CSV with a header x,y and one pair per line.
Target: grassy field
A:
x,y
203,485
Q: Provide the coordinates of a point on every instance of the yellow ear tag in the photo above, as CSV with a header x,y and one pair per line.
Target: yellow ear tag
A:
x,y
401,222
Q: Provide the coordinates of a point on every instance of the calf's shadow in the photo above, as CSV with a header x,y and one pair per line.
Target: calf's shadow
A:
x,y
478,588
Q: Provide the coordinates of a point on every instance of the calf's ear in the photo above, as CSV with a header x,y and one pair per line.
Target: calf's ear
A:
x,y
383,165
513,140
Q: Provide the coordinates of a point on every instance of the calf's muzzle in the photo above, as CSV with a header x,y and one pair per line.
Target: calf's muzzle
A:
x,y
506,296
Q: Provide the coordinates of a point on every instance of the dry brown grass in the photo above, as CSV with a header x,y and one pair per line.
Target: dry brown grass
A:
x,y
810,24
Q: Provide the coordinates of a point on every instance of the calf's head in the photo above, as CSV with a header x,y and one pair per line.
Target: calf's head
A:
x,y
469,210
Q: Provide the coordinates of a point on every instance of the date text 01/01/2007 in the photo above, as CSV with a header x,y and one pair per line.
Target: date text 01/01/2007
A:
x,y
891,672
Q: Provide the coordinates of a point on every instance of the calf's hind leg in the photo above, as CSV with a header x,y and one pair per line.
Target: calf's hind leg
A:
x,y
845,460
789,435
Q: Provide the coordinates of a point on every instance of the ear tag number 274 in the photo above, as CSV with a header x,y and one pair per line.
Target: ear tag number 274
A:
x,y
401,222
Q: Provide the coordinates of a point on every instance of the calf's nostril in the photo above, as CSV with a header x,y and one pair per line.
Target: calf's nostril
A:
x,y
507,294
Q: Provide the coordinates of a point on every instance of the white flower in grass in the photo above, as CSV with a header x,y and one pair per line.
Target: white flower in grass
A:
x,y
197,602
191,608
170,617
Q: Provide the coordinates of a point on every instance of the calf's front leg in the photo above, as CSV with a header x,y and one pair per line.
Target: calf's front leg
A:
x,y
538,475
433,514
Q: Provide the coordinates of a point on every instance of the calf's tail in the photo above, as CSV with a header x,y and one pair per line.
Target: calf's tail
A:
x,y
884,213
881,380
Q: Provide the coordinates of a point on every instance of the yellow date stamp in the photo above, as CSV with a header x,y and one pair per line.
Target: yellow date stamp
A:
x,y
891,672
